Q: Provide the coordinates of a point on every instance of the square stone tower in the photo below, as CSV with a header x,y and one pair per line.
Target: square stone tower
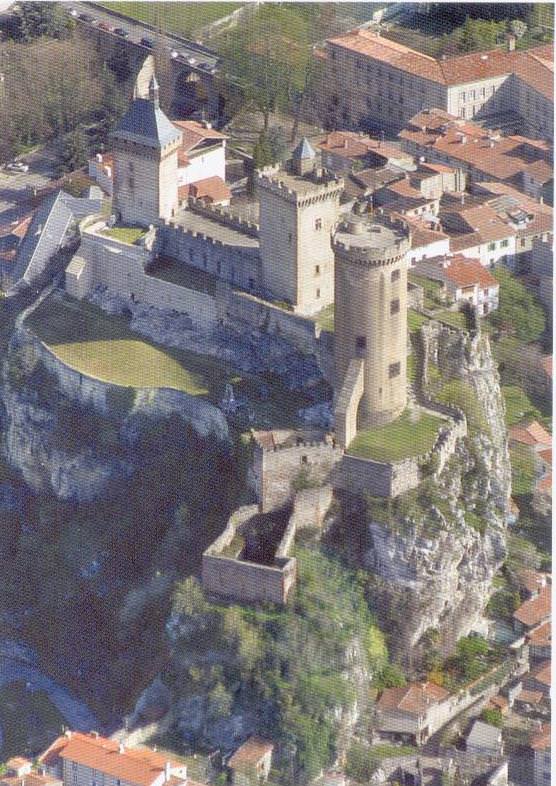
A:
x,y
145,145
299,208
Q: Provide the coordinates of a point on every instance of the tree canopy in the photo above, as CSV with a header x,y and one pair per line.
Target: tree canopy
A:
x,y
518,313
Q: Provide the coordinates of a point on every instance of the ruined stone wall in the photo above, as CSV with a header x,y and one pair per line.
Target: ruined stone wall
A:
x,y
275,471
310,507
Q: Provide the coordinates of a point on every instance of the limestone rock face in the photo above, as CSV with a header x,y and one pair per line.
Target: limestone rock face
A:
x,y
433,564
35,388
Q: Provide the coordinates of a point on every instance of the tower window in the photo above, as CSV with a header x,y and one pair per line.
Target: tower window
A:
x,y
218,266
317,270
318,223
395,276
395,306
360,345
289,237
318,293
131,182
394,370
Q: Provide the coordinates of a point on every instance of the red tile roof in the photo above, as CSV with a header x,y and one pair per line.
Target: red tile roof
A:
x,y
543,673
530,696
531,580
546,455
193,133
501,157
533,66
250,752
540,740
464,272
134,765
544,485
413,699
351,144
532,434
536,610
214,189
542,635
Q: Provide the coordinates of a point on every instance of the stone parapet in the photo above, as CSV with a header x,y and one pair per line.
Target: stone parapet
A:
x,y
321,189
224,217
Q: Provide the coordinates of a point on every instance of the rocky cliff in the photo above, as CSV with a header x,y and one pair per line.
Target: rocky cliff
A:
x,y
432,552
47,405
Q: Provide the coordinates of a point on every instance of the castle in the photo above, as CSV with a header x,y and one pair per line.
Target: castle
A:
x,y
218,269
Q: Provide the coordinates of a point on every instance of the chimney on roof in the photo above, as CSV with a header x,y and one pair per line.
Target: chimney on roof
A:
x,y
68,733
510,40
346,143
121,748
167,771
95,734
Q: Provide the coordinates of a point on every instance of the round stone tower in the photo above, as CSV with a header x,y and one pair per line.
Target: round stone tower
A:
x,y
371,317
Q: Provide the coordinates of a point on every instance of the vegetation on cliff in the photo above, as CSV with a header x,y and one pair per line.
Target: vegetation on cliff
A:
x,y
293,669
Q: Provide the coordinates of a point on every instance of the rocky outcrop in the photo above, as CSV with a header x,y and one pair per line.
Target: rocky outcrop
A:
x,y
433,553
40,395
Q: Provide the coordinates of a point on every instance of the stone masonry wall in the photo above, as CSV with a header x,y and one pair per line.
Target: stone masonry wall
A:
x,y
275,471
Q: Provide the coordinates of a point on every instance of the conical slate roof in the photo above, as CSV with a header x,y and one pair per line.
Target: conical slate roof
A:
x,y
145,123
303,150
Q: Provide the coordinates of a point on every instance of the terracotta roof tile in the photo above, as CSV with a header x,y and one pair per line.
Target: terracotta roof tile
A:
x,y
546,455
536,610
193,133
542,635
135,765
530,696
543,673
531,580
351,144
531,434
212,188
250,752
464,272
413,699
540,740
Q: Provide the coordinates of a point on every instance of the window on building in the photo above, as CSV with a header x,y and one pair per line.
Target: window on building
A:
x,y
394,370
251,283
218,266
205,261
333,54
483,92
131,182
395,306
318,223
462,112
522,241
317,270
318,293
491,246
304,460
462,96
504,243
360,345
395,275
289,237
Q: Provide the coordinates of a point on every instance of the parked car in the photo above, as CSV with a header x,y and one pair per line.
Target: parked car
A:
x,y
17,166
88,18
105,26
147,42
72,12
173,52
121,32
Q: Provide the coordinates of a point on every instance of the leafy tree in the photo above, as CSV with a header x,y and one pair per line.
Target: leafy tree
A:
x,y
75,150
518,312
391,676
119,63
33,20
360,763
262,152
219,702
493,716
470,654
518,28
277,145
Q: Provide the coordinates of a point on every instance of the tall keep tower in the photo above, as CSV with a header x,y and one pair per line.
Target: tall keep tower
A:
x,y
145,145
370,340
298,212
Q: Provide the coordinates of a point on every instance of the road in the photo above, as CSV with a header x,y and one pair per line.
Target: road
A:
x,y
77,715
197,57
15,186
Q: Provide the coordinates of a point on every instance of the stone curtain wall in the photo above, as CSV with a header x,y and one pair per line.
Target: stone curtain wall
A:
x,y
237,265
275,471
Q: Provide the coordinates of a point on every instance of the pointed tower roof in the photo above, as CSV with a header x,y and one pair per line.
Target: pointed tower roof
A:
x,y
145,122
303,151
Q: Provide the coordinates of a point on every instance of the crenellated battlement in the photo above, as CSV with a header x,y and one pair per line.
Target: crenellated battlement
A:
x,y
301,190
224,217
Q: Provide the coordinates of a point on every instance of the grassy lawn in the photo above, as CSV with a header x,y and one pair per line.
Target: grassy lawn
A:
x,y
125,234
415,320
455,319
183,275
400,439
518,405
432,289
103,346
325,318
28,719
180,18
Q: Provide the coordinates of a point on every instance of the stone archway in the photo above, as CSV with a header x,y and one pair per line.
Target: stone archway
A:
x,y
190,93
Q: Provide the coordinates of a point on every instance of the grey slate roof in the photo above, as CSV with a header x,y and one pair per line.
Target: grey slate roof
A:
x,y
484,735
145,123
303,150
82,206
43,238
